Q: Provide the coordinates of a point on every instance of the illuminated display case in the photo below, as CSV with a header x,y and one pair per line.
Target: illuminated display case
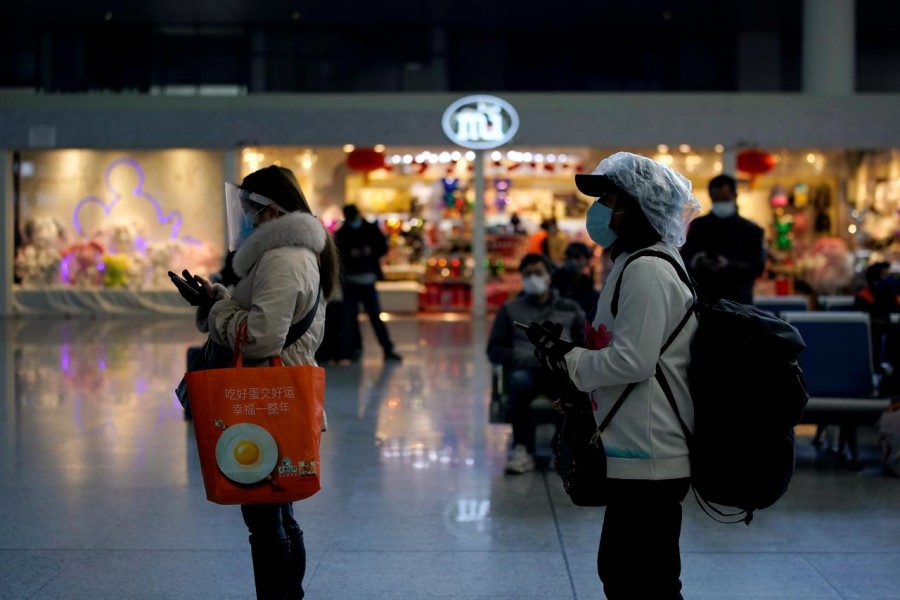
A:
x,y
424,201
94,220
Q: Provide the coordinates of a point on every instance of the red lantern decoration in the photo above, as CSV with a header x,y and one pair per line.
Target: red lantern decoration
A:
x,y
365,160
755,162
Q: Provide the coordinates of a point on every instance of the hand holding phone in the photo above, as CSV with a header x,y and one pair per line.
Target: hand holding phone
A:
x,y
549,348
190,289
521,325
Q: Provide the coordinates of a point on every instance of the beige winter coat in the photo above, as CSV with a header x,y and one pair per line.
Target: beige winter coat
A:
x,y
279,270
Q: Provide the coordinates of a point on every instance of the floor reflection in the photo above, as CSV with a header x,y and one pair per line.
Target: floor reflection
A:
x,y
97,463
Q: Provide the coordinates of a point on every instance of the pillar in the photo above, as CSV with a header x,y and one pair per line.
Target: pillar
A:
x,y
7,234
829,47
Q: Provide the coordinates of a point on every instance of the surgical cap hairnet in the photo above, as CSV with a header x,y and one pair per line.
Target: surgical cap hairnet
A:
x,y
662,193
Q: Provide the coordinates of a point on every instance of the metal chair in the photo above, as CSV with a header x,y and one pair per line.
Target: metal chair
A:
x,y
838,370
837,303
779,304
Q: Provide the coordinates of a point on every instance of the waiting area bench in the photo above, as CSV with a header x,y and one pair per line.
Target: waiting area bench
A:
x,y
838,367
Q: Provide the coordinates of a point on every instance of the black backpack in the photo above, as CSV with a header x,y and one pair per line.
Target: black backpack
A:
x,y
748,395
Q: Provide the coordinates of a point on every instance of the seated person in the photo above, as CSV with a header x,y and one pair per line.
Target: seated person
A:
x,y
509,346
879,299
574,281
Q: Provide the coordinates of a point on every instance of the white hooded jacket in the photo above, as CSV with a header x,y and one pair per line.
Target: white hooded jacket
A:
x,y
279,269
644,440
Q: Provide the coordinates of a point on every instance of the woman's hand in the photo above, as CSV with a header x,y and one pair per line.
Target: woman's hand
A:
x,y
203,288
205,285
549,349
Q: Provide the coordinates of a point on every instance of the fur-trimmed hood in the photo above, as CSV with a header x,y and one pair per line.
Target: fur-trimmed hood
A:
x,y
292,229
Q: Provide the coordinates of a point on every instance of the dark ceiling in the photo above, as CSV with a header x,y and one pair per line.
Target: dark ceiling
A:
x,y
470,13
537,45
873,16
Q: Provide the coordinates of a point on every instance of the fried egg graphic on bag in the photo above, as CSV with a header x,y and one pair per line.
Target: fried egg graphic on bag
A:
x,y
246,453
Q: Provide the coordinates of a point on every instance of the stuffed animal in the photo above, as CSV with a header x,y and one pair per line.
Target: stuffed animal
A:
x,y
827,266
162,257
38,260
125,242
82,264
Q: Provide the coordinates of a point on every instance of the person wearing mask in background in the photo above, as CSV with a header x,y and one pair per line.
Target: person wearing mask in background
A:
x,y
574,279
287,268
508,346
362,245
554,245
641,205
725,252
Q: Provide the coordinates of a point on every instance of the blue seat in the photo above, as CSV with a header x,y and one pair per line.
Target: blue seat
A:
x,y
837,303
779,304
837,366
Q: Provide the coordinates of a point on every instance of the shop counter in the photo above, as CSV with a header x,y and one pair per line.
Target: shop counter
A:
x,y
88,302
399,296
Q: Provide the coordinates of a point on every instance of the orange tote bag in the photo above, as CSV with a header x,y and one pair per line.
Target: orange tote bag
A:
x,y
258,431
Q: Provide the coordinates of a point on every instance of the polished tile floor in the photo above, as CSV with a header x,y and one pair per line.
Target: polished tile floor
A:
x,y
102,498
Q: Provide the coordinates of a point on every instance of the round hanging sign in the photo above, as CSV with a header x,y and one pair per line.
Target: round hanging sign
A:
x,y
480,122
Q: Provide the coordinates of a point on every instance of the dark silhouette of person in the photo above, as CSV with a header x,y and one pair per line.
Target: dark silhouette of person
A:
x,y
362,245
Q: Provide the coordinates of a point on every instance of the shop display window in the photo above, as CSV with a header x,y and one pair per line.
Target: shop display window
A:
x,y
424,200
98,219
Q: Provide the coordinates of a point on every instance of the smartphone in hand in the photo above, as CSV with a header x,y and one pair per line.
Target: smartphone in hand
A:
x,y
187,290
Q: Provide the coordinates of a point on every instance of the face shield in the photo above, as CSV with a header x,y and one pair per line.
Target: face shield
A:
x,y
240,206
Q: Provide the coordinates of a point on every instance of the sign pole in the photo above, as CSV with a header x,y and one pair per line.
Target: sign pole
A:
x,y
479,123
479,242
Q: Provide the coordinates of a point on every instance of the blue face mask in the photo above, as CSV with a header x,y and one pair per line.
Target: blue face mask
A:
x,y
597,225
724,209
248,224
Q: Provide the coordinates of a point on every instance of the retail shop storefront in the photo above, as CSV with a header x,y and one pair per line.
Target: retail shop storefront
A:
x,y
103,227
96,215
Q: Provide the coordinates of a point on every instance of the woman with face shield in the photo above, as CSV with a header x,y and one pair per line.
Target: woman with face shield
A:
x,y
640,206
288,267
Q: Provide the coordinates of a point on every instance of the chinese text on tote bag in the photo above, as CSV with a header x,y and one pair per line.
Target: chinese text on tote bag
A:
x,y
258,430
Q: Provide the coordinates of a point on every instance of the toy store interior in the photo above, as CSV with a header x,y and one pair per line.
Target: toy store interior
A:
x,y
92,221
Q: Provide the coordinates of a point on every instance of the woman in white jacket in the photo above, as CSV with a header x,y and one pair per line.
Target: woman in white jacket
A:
x,y
641,205
288,266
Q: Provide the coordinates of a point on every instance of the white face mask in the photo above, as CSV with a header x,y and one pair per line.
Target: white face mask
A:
x,y
725,208
535,285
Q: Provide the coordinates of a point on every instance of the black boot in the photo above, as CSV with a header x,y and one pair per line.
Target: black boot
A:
x,y
298,564
271,567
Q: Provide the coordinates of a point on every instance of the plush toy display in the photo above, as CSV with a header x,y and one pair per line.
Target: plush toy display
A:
x,y
38,259
82,264
827,267
125,241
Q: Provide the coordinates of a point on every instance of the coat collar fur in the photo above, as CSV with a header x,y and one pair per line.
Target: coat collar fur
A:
x,y
292,229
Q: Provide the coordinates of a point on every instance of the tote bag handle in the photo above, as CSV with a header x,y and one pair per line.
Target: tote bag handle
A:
x,y
239,342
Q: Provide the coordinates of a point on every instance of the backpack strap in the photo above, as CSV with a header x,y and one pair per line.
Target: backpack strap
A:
x,y
682,274
302,326
684,277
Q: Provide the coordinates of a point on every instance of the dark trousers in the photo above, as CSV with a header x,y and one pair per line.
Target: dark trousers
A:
x,y
524,386
277,550
269,521
355,293
639,555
